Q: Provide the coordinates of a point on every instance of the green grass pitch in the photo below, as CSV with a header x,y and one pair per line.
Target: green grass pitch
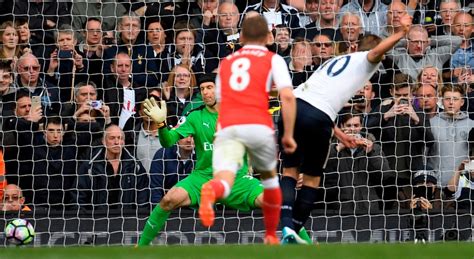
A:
x,y
383,251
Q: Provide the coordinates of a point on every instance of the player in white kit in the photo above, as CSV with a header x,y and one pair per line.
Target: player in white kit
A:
x,y
319,100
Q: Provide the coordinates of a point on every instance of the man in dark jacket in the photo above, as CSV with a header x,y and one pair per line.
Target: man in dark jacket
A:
x,y
113,178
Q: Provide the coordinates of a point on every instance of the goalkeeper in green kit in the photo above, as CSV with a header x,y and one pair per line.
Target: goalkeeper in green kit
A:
x,y
201,122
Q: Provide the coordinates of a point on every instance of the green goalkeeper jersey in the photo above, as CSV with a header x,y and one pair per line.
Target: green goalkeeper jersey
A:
x,y
201,124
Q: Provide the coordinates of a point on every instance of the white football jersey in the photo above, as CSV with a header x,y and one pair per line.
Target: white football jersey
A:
x,y
336,81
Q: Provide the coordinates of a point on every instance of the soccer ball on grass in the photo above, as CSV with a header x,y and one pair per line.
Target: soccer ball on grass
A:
x,y
19,232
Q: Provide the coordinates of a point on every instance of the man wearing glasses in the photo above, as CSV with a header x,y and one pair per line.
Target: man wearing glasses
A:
x,y
13,199
419,50
28,69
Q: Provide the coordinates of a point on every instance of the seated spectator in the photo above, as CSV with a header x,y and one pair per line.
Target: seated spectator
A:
x,y
373,14
179,92
426,14
169,166
354,177
452,132
28,69
26,42
147,141
9,50
283,42
462,60
204,15
301,61
113,178
186,51
277,13
54,167
13,199
143,68
351,29
412,55
66,63
427,100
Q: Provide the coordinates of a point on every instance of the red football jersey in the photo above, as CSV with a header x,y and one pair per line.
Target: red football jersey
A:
x,y
243,84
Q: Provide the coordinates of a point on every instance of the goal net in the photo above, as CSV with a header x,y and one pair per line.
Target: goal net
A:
x,y
83,163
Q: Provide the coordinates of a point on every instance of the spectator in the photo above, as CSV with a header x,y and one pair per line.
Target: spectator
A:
x,y
13,199
171,165
283,42
108,10
65,63
373,14
447,10
28,69
144,68
328,11
223,39
427,97
301,61
87,123
179,92
10,49
156,39
54,167
403,130
112,178
277,13
351,30
25,40
452,130
186,51
93,50
412,55
425,197
396,10
323,48
426,13
43,17
20,131
7,92
147,141
462,60
122,94
431,76
353,177
205,16
310,13
362,102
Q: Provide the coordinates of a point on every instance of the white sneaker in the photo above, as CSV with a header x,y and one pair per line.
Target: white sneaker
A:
x,y
289,236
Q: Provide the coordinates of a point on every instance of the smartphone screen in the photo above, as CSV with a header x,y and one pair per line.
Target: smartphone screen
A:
x,y
423,191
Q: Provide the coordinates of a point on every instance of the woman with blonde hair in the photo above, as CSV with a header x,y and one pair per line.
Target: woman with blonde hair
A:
x,y
178,91
10,49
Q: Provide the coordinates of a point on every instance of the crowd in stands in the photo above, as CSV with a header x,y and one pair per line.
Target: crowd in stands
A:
x,y
74,75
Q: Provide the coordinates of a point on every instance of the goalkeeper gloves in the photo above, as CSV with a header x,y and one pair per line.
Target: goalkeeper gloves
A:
x,y
153,111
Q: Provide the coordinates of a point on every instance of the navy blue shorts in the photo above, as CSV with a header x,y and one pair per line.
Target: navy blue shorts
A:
x,y
313,133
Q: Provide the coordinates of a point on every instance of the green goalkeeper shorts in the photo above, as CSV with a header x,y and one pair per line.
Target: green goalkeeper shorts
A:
x,y
242,197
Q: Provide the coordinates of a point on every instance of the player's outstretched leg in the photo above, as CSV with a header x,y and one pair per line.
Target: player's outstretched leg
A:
x,y
153,225
211,191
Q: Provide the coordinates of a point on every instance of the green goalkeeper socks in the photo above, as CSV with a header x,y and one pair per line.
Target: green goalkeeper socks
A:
x,y
153,225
